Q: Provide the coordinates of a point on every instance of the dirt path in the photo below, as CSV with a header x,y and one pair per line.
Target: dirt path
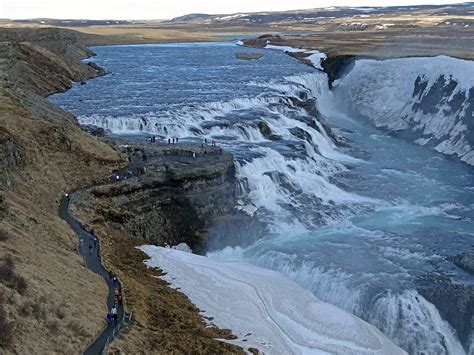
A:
x,y
93,262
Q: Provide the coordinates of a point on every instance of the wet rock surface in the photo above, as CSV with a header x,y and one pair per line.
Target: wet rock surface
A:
x,y
336,66
464,261
267,132
454,301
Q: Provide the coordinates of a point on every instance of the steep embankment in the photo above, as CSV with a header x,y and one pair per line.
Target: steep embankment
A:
x,y
49,301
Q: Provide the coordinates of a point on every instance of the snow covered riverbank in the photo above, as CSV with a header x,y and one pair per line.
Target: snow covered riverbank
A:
x,y
264,309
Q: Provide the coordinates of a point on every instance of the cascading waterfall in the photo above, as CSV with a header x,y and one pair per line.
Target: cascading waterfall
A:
x,y
357,225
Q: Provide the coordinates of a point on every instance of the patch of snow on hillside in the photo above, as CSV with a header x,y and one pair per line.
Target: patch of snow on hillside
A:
x,y
313,55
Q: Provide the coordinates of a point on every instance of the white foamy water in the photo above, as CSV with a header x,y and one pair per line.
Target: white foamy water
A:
x,y
357,224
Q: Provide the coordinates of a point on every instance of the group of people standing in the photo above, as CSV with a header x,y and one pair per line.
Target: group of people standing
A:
x,y
112,315
206,141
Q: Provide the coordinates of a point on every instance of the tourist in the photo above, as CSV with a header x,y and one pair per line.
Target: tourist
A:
x,y
90,248
194,155
111,274
118,299
144,157
169,140
114,280
177,140
110,317
114,313
117,178
205,140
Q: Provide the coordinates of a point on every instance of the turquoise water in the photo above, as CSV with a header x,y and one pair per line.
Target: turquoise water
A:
x,y
358,225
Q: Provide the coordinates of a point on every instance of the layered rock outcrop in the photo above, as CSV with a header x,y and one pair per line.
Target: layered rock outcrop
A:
x,y
175,197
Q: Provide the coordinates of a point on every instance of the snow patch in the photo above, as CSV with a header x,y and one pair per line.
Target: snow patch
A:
x,y
265,309
314,56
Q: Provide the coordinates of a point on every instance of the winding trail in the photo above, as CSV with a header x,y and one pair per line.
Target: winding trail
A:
x,y
93,262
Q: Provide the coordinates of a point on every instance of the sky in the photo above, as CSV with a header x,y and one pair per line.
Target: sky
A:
x,y
166,9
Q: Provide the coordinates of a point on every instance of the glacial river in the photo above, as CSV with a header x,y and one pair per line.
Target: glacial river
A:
x,y
361,225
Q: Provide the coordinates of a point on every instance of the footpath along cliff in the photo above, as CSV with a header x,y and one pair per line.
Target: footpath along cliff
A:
x,y
49,301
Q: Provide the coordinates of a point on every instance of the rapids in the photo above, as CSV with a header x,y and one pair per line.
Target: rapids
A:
x,y
358,224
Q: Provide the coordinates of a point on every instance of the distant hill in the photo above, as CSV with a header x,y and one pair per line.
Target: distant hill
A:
x,y
72,23
320,14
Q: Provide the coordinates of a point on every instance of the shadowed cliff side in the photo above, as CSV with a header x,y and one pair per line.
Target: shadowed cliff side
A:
x,y
49,302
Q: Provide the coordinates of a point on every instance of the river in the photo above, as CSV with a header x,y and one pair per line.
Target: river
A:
x,y
359,224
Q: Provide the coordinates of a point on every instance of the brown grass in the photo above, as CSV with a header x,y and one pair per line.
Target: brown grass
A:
x,y
57,157
10,278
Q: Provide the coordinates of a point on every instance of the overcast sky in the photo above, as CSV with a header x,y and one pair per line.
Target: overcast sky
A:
x,y
165,9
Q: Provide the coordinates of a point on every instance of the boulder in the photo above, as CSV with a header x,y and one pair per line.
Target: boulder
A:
x,y
94,130
464,261
454,301
267,132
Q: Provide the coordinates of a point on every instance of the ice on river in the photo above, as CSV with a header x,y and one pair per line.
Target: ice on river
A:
x,y
264,309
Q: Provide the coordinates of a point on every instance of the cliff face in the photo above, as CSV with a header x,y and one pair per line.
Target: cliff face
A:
x,y
44,153
177,200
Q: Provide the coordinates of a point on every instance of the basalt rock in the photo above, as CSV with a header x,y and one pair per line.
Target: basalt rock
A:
x,y
454,301
464,261
336,66
301,134
267,132
94,130
180,198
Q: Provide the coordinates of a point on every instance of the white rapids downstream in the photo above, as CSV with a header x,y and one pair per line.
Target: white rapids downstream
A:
x,y
361,225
